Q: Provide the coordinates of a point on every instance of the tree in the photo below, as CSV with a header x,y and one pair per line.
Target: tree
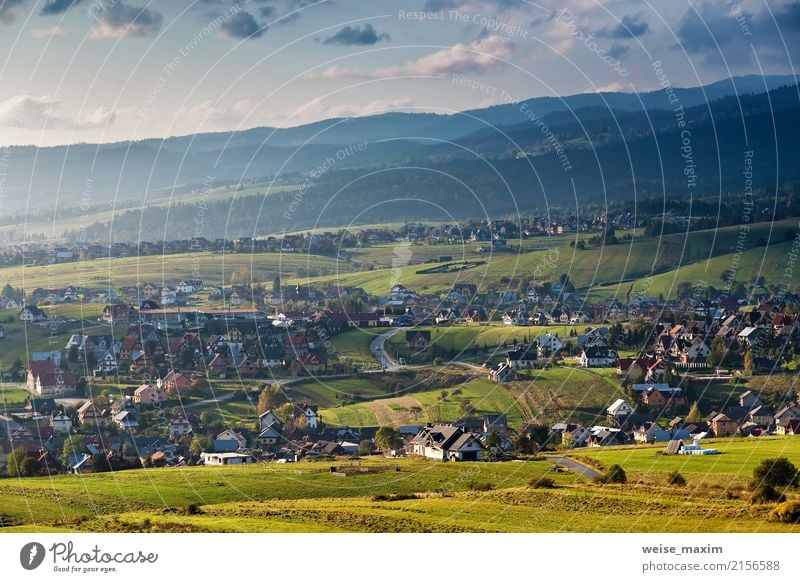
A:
x,y
16,463
364,448
16,369
694,414
72,356
778,472
388,438
200,444
271,397
72,446
749,361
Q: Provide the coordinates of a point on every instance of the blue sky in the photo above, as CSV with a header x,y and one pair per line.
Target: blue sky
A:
x,y
111,70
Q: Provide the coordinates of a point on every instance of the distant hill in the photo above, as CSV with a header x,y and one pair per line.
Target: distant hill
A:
x,y
67,175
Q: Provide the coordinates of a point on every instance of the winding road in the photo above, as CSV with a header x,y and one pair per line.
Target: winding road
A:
x,y
576,467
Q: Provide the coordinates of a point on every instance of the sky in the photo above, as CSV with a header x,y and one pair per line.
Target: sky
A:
x,y
113,70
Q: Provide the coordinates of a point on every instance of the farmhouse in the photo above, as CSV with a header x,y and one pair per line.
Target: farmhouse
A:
x,y
522,357
45,379
597,357
31,313
227,459
446,443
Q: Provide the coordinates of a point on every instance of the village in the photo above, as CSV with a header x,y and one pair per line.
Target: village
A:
x,y
118,399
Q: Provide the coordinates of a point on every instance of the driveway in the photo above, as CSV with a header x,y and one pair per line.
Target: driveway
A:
x,y
576,467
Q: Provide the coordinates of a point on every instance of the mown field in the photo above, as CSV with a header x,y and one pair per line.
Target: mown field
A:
x,y
214,269
549,257
467,342
733,467
422,496
541,395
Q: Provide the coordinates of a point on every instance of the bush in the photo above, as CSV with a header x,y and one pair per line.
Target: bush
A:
x,y
786,512
193,509
779,472
477,486
767,494
394,496
542,483
615,474
677,479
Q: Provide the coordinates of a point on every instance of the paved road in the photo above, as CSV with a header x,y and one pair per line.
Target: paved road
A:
x,y
576,467
378,349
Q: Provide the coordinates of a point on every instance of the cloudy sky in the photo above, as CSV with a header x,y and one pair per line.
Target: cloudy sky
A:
x,y
111,70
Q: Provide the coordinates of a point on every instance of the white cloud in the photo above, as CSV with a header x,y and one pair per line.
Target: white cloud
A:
x,y
25,111
45,33
213,114
484,55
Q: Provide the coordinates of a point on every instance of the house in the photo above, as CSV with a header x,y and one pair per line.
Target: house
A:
x,y
45,379
40,407
418,340
763,416
178,426
61,424
92,415
149,394
723,425
619,410
267,418
663,398
446,443
219,458
495,423
306,415
549,344
597,357
749,336
651,432
310,363
270,436
502,373
31,314
118,313
126,420
522,357
228,441
749,400
106,363
176,383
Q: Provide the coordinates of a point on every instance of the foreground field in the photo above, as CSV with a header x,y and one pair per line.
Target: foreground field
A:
x,y
420,497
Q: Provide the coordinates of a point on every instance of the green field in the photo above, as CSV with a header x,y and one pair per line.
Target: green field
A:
x,y
213,268
306,497
600,269
734,466
466,341
545,395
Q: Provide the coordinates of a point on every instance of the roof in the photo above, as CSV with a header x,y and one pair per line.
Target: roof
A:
x,y
617,405
673,447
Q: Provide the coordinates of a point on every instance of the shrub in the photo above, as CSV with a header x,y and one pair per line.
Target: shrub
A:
x,y
677,479
542,483
786,512
478,486
767,494
193,509
394,496
615,474
779,472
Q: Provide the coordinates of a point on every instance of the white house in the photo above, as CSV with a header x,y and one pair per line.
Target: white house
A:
x,y
179,426
549,344
61,423
597,357
447,443
227,459
619,410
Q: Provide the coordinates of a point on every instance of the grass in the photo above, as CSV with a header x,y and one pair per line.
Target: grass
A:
x,y
213,268
734,466
601,269
421,497
474,340
546,396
